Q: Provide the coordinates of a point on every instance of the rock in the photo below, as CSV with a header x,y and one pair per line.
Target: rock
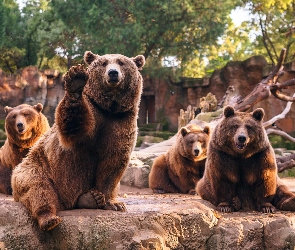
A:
x,y
152,222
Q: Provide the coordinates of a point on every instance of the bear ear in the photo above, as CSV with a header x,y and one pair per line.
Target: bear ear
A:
x,y
228,111
7,109
38,107
258,114
184,131
139,61
206,130
89,57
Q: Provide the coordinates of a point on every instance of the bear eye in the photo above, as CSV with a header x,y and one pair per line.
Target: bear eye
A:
x,y
104,64
120,63
14,116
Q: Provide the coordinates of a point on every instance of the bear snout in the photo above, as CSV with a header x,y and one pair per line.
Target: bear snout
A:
x,y
113,77
242,138
196,151
241,141
113,74
20,126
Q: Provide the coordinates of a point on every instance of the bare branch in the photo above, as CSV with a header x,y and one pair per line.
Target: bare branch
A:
x,y
280,116
281,133
285,165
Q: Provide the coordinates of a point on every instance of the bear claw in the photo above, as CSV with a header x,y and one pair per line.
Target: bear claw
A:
x,y
225,208
158,191
49,222
116,206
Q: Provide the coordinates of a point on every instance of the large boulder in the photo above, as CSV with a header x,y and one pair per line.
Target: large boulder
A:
x,y
151,222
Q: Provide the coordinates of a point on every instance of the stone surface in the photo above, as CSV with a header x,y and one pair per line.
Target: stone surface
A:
x,y
152,221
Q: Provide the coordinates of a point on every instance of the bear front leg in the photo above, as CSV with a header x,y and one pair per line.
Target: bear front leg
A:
x,y
227,198
159,180
5,180
73,114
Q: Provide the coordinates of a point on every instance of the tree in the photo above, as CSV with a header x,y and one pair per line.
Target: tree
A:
x,y
274,22
152,28
11,46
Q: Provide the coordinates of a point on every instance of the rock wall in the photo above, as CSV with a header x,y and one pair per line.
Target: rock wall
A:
x,y
31,86
162,100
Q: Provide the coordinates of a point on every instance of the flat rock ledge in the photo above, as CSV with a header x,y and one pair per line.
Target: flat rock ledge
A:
x,y
152,222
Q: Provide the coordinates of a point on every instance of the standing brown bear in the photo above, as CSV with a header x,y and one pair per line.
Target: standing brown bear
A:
x,y
88,148
241,169
182,166
24,125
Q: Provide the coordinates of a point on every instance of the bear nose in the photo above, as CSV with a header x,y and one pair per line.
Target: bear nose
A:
x,y
113,73
20,125
197,151
242,138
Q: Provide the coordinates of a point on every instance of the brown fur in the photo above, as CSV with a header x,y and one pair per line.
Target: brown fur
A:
x,y
179,170
241,167
88,148
24,125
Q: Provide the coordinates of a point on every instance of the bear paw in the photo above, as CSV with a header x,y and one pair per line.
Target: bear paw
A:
x,y
224,207
48,221
91,200
75,80
116,206
192,192
288,204
267,208
158,191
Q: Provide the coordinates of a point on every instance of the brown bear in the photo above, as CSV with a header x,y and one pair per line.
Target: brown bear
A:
x,y
182,166
86,151
241,171
24,125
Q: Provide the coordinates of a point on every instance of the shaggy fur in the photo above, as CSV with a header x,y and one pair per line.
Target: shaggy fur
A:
x,y
24,125
179,170
88,148
241,169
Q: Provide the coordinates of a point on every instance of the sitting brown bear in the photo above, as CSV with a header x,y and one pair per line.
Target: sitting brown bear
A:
x,y
82,158
24,125
241,169
179,170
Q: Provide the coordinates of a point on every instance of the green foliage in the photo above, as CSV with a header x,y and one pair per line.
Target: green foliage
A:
x,y
279,142
273,21
152,28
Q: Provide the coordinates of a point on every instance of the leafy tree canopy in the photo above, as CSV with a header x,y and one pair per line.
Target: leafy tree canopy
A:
x,y
152,28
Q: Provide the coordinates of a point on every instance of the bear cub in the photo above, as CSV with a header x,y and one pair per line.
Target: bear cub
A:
x,y
182,166
241,170
24,125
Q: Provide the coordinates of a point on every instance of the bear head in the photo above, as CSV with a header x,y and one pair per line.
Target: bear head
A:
x,y
21,122
240,134
192,142
114,80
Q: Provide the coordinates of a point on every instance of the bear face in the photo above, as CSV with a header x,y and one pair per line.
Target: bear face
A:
x,y
110,80
241,134
193,142
22,121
